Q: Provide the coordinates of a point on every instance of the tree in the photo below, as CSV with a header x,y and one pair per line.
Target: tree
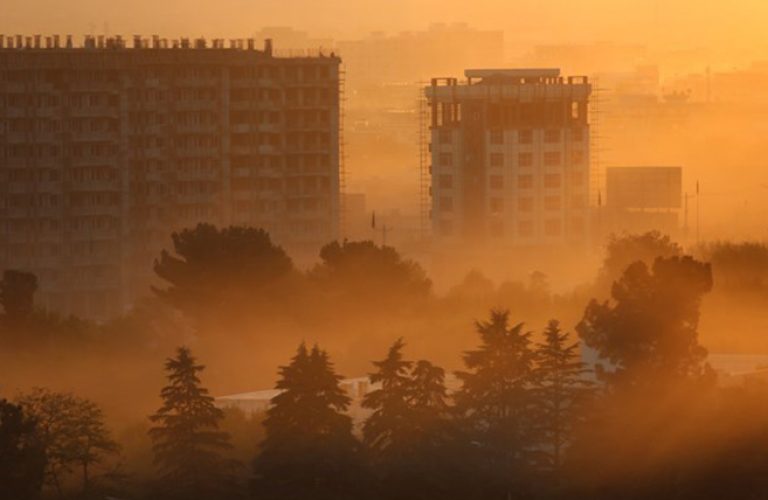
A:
x,y
648,333
428,399
365,272
73,434
385,432
22,456
562,390
186,439
738,267
496,399
213,267
17,294
626,249
309,450
406,434
434,462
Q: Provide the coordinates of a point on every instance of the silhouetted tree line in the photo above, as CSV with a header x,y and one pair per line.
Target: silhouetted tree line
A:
x,y
525,418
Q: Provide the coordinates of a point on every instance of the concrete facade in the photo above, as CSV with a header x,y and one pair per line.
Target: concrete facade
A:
x,y
510,157
108,147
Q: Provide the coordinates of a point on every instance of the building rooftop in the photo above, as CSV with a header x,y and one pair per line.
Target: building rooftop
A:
x,y
513,73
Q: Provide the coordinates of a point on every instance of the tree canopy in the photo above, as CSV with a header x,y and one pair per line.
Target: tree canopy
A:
x,y
496,398
17,294
308,450
649,328
212,267
364,271
22,455
187,442
73,434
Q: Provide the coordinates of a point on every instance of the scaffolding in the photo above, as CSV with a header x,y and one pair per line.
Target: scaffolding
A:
x,y
596,147
422,108
342,163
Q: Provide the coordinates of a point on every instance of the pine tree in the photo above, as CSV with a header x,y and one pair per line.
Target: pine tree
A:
x,y
309,450
429,406
385,432
433,461
187,442
562,390
496,403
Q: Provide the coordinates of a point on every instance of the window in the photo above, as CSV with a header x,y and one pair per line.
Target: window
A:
x,y
552,181
577,201
496,181
577,157
446,204
552,136
525,137
497,137
577,135
525,159
525,228
577,226
552,227
496,228
525,204
552,158
446,159
445,181
497,160
577,178
497,205
575,110
551,203
525,181
445,136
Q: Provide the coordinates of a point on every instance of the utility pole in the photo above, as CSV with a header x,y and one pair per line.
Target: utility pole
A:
x,y
685,221
698,215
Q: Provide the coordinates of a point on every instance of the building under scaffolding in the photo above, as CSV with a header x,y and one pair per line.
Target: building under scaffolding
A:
x,y
107,147
510,157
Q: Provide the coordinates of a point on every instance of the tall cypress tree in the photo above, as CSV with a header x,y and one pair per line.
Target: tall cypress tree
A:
x,y
309,450
186,439
385,432
562,390
496,402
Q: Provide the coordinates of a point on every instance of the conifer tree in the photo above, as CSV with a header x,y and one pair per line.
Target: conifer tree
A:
x,y
309,450
429,406
562,389
187,442
496,402
385,432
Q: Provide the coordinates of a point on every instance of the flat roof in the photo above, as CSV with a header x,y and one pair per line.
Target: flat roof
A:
x,y
513,73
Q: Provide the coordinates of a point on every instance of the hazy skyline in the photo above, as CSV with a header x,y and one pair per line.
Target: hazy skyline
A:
x,y
675,23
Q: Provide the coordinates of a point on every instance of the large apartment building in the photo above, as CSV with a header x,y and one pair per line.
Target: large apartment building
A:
x,y
510,157
107,147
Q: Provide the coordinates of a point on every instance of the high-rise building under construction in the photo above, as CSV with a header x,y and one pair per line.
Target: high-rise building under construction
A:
x,y
509,157
107,147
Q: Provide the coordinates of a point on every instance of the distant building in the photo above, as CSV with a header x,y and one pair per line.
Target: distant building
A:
x,y
410,56
510,157
106,148
640,199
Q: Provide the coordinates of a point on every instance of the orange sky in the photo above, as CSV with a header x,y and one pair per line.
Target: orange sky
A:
x,y
678,22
